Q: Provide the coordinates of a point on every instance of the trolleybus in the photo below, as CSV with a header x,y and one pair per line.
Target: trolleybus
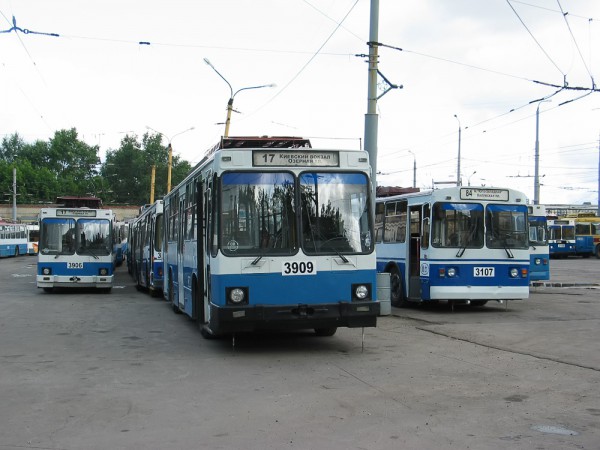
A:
x,y
146,248
13,239
561,238
587,234
269,233
539,258
33,238
460,244
75,248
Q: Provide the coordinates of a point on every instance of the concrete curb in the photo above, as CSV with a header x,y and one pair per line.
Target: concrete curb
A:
x,y
562,285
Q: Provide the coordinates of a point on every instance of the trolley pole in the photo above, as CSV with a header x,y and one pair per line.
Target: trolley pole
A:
x,y
371,118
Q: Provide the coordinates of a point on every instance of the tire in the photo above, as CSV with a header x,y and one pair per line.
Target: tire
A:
x,y
17,251
325,332
48,290
597,251
173,305
478,302
397,297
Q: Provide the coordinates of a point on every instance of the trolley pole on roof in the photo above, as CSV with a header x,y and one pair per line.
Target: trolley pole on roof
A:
x,y
371,118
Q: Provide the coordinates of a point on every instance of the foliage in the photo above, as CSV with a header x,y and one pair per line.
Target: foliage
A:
x,y
65,165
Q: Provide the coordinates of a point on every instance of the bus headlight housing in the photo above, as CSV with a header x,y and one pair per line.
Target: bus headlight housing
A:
x,y
46,271
103,271
237,296
514,272
538,261
361,291
451,272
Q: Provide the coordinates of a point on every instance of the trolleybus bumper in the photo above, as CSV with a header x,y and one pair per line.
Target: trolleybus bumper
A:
x,y
231,319
52,281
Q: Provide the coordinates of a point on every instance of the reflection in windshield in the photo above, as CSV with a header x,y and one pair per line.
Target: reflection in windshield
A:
x,y
457,225
258,213
67,236
506,226
335,213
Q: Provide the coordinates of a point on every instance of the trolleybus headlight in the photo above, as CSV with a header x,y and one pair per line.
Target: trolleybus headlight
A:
x,y
451,272
237,296
46,271
103,271
538,261
361,292
514,272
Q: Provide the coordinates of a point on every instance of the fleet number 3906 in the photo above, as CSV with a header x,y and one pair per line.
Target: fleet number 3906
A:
x,y
299,268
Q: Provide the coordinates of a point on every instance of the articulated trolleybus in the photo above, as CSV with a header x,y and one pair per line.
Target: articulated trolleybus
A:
x,y
75,248
268,233
462,245
146,248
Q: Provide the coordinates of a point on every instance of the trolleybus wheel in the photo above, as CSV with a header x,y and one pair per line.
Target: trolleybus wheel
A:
x,y
173,305
17,250
478,302
597,251
48,290
325,331
396,292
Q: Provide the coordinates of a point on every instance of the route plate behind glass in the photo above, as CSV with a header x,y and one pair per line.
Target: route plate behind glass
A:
x,y
298,268
483,271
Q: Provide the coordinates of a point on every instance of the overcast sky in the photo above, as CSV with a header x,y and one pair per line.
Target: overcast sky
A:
x,y
119,66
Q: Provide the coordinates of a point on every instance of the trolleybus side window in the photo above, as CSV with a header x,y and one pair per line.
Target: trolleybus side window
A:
x,y
426,226
395,222
379,216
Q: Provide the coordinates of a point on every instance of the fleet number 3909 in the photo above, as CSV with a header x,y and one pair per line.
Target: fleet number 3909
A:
x,y
299,268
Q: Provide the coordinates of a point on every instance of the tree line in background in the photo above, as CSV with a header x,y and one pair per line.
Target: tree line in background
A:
x,y
65,165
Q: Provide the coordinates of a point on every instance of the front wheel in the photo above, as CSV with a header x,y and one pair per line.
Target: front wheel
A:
x,y
397,297
597,251
325,332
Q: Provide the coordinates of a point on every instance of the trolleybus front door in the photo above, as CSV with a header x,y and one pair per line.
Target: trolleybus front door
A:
x,y
414,257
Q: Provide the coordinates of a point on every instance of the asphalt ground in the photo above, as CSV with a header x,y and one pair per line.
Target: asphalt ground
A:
x,y
83,370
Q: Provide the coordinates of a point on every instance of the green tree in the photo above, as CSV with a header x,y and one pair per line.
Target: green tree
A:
x,y
129,169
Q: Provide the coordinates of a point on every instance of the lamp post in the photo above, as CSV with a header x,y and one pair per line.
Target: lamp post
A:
x,y
414,169
469,179
232,95
170,149
458,181
536,176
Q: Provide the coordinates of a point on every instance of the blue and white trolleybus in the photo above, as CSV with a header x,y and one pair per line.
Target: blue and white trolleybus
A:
x,y
269,233
461,244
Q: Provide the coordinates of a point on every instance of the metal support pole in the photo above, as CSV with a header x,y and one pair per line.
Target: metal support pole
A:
x,y
536,176
458,180
371,118
14,208
152,181
169,167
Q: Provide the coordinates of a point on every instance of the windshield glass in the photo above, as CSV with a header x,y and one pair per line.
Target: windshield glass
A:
x,y
457,225
506,226
335,213
258,213
58,237
67,236
158,234
93,237
537,231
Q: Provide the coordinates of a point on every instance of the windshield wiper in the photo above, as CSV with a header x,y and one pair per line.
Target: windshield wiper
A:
x,y
88,249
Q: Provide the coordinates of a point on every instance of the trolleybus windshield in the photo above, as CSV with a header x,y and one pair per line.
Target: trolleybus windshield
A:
x,y
458,225
506,226
66,236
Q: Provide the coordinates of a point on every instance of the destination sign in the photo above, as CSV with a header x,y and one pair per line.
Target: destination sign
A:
x,y
76,213
280,158
500,195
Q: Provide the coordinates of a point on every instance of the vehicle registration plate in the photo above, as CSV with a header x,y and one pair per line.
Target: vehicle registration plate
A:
x,y
298,268
483,271
75,265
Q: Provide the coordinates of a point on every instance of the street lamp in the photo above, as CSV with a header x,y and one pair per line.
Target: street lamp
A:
x,y
414,169
536,177
170,148
458,181
232,95
469,178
